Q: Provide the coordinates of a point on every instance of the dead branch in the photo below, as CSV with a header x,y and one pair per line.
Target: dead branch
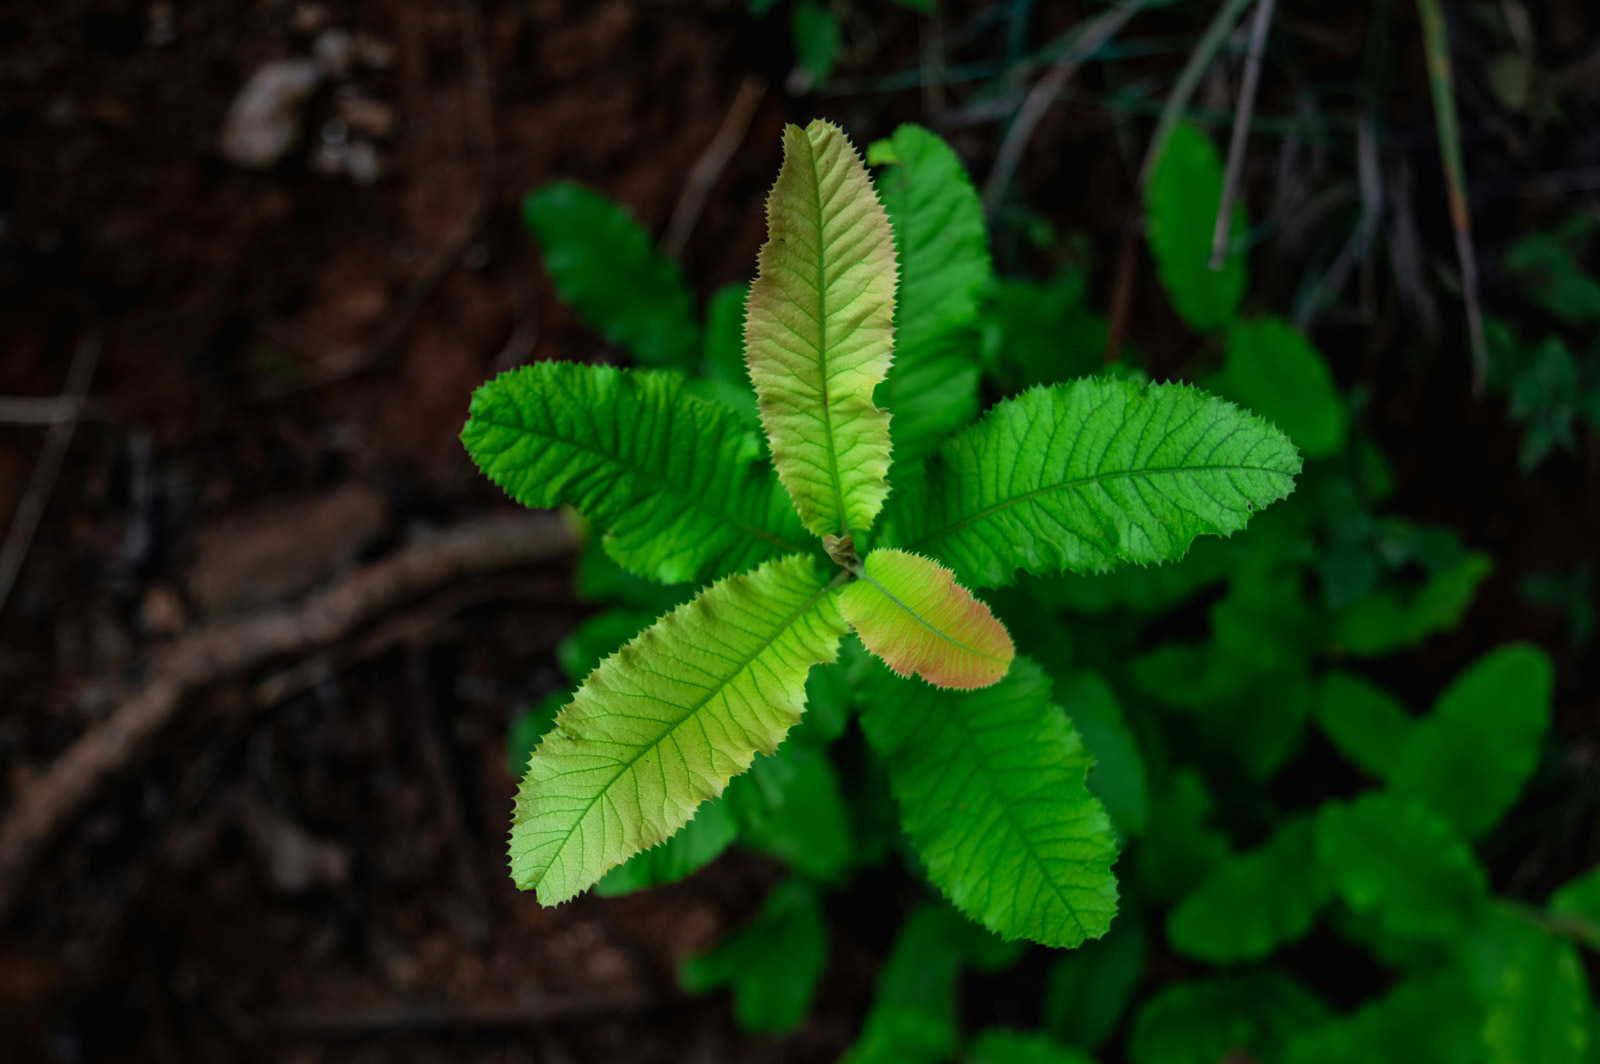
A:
x,y
427,621
226,649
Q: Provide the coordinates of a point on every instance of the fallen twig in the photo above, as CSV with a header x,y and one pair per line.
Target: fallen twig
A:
x,y
426,621
1241,133
25,521
1044,93
487,545
708,168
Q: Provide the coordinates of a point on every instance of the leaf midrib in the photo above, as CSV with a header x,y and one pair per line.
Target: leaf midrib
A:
x,y
986,771
892,597
689,713
834,479
1067,485
689,500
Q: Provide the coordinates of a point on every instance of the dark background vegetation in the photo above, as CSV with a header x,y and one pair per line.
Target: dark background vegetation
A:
x,y
310,869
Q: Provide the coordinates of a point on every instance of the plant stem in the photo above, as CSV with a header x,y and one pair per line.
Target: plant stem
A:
x,y
1044,93
1241,133
1441,80
1199,62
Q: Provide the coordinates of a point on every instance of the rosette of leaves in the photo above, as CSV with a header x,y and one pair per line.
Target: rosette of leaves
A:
x,y
798,538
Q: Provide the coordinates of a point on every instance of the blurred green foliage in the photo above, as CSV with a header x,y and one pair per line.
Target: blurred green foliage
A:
x,y
1552,388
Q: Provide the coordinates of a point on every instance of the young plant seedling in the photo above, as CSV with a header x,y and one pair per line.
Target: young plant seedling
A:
x,y
812,544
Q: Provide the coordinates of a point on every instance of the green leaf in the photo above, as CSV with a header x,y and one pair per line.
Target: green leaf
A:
x,y
913,1015
1267,725
1393,618
1041,332
598,578
1001,1045
1539,1013
1431,1018
828,702
727,379
1575,907
597,637
991,790
1156,589
1181,202
1272,369
819,331
1086,475
759,795
816,41
943,250
1487,727
1089,988
1252,904
774,963
1250,684
1367,931
676,482
809,829
1118,777
1547,263
1206,1020
912,614
1037,628
608,270
1548,387
1366,723
1181,846
1263,622
875,819
1401,864
1544,400
662,725
695,845
1484,953
982,950
1568,592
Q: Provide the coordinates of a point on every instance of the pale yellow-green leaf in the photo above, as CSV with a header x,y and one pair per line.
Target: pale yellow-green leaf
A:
x,y
819,332
911,613
663,724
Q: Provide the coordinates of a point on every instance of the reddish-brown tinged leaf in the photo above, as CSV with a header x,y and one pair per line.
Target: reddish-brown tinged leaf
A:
x,y
911,613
